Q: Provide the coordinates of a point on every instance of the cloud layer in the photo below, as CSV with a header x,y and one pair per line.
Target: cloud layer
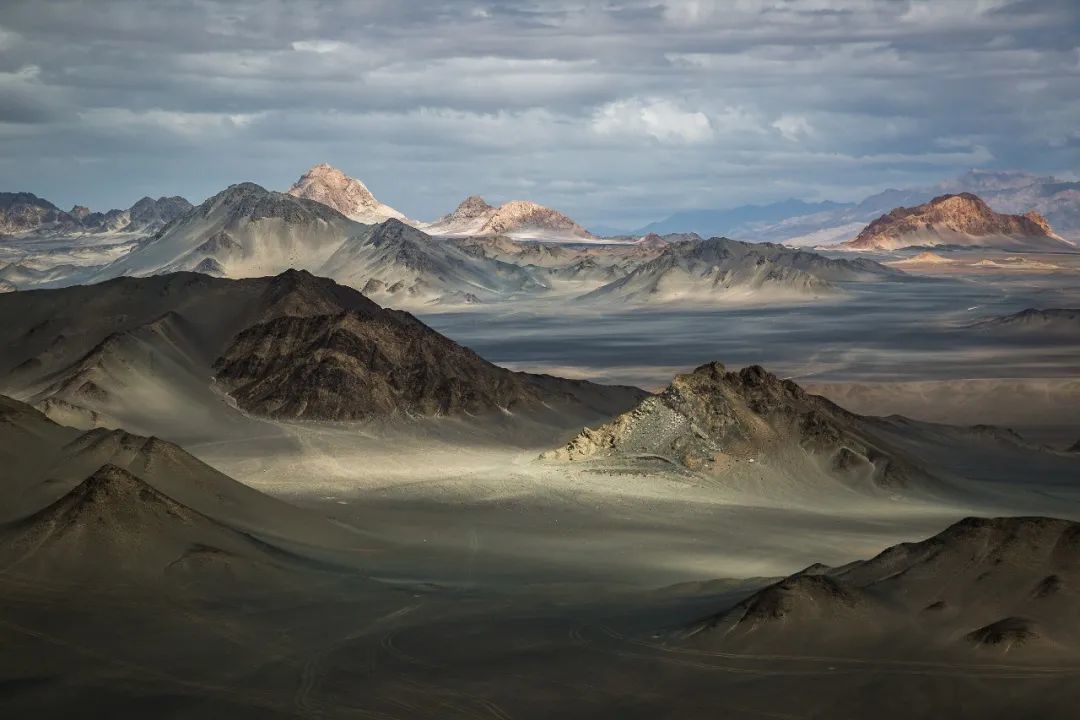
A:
x,y
616,112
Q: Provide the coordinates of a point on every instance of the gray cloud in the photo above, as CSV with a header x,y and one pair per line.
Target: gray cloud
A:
x,y
616,112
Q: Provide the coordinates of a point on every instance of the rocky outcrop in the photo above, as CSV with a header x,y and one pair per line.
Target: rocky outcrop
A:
x,y
471,214
350,197
23,213
355,365
962,219
706,417
150,215
523,216
517,218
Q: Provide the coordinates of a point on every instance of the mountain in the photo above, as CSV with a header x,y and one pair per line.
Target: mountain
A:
x,y
719,423
243,231
360,362
987,586
1019,192
719,270
150,215
563,267
43,460
962,219
294,346
25,213
1035,320
737,221
350,197
114,528
22,211
113,523
247,231
519,219
466,219
1058,201
399,264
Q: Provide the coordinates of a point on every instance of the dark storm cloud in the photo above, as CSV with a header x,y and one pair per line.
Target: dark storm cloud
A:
x,y
613,111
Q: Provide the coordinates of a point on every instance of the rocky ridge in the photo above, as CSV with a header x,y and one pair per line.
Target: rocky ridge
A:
x,y
962,219
985,584
25,213
328,185
710,416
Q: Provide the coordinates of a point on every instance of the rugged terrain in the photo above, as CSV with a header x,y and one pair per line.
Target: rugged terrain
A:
x,y
350,197
243,231
983,588
396,263
719,270
963,220
713,421
520,219
293,345
802,224
24,213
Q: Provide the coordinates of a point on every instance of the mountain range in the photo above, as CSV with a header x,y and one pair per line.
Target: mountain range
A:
x,y
26,213
331,225
729,222
720,269
990,587
291,346
249,231
1057,201
800,223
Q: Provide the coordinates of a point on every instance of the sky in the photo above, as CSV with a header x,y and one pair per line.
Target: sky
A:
x,y
617,113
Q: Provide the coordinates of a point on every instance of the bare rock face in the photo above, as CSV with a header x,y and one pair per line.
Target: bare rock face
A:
x,y
962,219
26,213
23,211
151,215
355,365
524,216
517,218
471,208
324,351
349,196
709,415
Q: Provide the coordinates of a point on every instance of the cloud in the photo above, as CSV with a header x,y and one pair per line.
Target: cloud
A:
x,y
615,112
793,127
654,118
